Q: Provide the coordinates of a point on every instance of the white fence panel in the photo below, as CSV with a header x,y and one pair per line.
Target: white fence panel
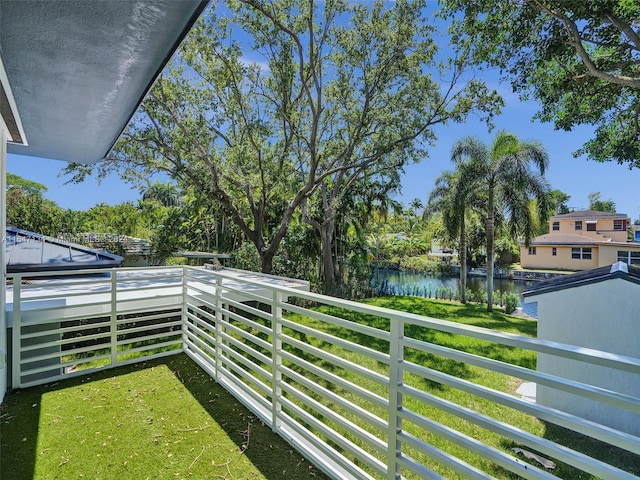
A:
x,y
385,395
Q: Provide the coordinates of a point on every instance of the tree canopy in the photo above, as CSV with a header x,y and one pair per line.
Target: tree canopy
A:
x,y
271,105
579,59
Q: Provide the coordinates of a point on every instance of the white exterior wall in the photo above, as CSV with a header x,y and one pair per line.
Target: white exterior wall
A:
x,y
3,263
604,316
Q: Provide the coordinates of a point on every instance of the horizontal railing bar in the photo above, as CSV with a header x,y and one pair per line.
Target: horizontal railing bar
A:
x,y
545,447
340,322
354,409
557,417
336,437
257,341
64,330
244,321
502,459
346,344
121,320
247,391
246,348
245,308
130,330
144,348
582,389
342,462
59,351
336,360
328,413
256,369
129,341
209,316
59,342
338,381
196,342
421,470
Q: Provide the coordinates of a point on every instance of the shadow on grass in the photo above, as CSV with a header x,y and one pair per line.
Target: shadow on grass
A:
x,y
22,413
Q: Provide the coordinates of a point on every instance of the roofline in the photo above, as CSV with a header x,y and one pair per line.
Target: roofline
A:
x,y
9,111
618,270
192,20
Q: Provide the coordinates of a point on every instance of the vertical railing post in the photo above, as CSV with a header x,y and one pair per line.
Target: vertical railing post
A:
x,y
16,324
185,294
276,359
219,329
114,317
396,360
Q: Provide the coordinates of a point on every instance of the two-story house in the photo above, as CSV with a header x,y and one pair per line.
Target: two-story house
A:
x,y
582,240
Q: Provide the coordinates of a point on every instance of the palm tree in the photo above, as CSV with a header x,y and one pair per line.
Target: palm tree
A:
x,y
451,197
167,194
503,172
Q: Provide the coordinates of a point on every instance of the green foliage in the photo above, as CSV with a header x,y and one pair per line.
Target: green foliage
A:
x,y
511,302
601,205
578,59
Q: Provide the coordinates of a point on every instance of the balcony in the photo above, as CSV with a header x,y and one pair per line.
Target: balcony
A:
x,y
361,391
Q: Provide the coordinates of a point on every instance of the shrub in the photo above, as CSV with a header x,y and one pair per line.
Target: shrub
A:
x,y
511,301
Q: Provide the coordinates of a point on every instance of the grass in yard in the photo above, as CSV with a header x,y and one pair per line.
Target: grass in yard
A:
x,y
164,418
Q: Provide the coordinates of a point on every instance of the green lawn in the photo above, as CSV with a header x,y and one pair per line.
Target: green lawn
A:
x,y
158,419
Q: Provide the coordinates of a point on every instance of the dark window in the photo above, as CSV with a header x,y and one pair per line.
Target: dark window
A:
x,y
556,226
578,225
554,251
581,253
532,250
591,227
618,224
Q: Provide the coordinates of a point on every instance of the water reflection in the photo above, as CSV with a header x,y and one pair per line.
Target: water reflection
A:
x,y
406,282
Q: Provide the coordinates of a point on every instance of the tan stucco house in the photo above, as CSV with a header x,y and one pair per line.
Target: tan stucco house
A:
x,y
582,240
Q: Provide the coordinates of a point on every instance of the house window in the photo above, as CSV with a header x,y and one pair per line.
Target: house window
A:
x,y
532,250
618,225
578,225
556,226
581,253
630,258
554,251
591,226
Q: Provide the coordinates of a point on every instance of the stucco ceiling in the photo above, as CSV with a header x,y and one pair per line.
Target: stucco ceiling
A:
x,y
78,69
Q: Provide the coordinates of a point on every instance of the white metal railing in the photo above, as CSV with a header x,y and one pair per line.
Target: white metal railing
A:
x,y
361,400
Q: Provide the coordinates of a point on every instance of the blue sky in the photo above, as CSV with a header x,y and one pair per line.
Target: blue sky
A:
x,y
576,177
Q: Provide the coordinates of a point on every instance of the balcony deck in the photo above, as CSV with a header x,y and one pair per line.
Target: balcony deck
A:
x,y
360,391
164,418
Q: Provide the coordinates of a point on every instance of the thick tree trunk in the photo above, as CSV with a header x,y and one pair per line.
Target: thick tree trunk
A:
x,y
329,277
266,258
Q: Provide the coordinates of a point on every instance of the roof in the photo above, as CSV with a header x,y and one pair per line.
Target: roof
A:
x,y
618,270
78,69
589,215
32,252
566,239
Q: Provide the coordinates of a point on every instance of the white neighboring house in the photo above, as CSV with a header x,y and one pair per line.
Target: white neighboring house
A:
x,y
594,309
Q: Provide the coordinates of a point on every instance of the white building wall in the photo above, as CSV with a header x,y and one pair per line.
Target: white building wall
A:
x,y
605,316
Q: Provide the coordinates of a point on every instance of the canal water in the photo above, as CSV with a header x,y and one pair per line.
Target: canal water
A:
x,y
422,284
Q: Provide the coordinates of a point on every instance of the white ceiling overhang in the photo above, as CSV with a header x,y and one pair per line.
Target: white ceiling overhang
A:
x,y
78,69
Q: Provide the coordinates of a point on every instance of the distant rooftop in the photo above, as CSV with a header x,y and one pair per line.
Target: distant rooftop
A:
x,y
617,270
33,252
589,214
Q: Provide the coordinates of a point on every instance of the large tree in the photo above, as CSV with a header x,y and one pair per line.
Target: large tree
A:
x,y
509,174
271,103
579,59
